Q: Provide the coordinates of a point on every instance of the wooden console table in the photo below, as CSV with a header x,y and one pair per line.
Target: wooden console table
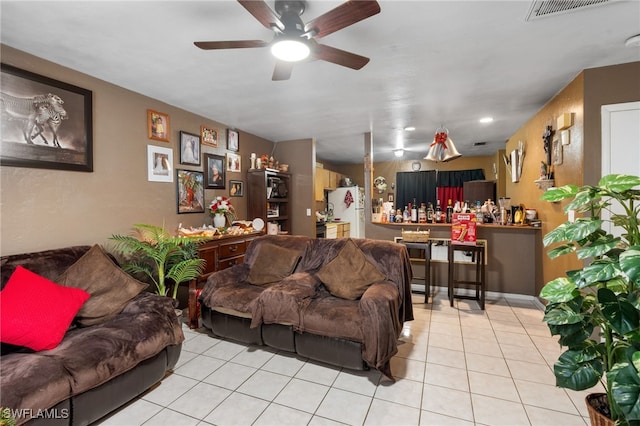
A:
x,y
220,253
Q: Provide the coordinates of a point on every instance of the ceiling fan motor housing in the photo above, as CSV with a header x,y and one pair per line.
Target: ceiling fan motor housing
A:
x,y
289,12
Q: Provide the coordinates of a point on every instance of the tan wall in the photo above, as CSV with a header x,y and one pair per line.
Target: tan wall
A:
x,y
604,86
44,209
300,154
525,192
581,159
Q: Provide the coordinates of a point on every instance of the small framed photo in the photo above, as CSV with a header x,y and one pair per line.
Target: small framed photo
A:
x,y
233,162
209,136
189,148
236,188
214,171
390,197
233,140
190,194
159,164
158,126
557,152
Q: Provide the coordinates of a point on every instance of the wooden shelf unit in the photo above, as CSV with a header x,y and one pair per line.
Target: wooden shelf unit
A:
x,y
270,209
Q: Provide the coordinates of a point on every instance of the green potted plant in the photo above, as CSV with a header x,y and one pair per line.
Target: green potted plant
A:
x,y
165,259
596,310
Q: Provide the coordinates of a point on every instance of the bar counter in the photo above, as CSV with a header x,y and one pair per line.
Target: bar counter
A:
x,y
514,254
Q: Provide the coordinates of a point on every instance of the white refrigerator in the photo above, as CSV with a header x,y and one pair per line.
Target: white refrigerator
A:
x,y
348,206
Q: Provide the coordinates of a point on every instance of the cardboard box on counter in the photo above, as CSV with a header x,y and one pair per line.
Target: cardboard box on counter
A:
x,y
463,228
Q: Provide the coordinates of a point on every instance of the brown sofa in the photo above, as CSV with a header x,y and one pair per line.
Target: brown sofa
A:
x,y
343,302
96,368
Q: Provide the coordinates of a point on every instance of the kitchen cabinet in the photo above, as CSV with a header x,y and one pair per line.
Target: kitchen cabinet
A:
x,y
325,180
338,230
268,197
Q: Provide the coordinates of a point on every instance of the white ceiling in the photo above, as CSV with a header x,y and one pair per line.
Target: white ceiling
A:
x,y
432,63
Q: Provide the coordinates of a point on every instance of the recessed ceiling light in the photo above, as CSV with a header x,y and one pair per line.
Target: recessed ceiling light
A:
x,y
479,143
398,152
486,119
409,128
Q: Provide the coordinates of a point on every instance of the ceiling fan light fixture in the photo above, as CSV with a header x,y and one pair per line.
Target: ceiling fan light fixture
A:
x,y
290,50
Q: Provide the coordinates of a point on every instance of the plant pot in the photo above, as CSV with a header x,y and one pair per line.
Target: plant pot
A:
x,y
598,407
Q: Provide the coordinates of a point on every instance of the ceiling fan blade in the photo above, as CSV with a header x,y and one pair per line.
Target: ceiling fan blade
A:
x,y
340,57
282,71
263,13
342,16
237,44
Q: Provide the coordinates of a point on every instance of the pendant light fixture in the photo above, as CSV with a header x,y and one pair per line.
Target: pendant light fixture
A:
x,y
442,148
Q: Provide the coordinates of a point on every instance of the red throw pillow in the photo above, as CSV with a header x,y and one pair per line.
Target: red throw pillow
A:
x,y
36,312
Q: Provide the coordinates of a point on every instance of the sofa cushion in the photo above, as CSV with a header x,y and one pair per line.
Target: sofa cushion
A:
x,y
272,264
349,274
110,287
36,312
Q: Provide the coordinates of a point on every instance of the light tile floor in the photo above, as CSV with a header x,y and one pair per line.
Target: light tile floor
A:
x,y
455,366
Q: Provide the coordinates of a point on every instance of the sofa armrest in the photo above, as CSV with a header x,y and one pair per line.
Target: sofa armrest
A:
x,y
381,325
225,278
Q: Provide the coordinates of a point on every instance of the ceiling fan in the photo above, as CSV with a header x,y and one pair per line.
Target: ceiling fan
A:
x,y
294,40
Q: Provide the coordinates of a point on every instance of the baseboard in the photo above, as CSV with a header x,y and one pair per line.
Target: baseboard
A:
x,y
419,288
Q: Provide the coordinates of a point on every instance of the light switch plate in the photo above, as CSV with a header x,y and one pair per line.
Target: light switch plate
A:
x,y
308,212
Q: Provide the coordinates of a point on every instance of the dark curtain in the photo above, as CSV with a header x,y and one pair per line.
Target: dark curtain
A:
x,y
450,184
418,185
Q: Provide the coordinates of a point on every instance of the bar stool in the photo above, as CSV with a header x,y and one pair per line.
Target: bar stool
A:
x,y
477,252
426,248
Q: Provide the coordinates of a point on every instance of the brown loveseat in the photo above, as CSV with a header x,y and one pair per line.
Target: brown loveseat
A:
x,y
341,301
114,350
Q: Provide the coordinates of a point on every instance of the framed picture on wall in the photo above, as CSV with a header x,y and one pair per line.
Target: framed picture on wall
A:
x,y
236,188
556,155
209,136
189,148
157,126
190,194
46,123
233,140
159,164
233,162
214,171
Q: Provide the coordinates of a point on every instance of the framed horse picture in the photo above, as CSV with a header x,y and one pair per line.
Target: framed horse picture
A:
x,y
46,123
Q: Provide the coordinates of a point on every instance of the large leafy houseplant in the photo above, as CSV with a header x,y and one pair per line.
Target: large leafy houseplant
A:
x,y
603,296
165,259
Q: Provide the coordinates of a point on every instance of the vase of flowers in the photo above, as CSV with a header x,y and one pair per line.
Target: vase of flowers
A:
x,y
222,211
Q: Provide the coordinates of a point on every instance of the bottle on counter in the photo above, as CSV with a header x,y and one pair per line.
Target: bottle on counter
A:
x,y
414,212
398,216
457,208
449,215
479,214
438,215
406,216
422,214
392,216
430,214
466,208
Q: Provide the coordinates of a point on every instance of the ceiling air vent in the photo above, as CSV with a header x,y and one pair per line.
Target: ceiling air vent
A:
x,y
544,8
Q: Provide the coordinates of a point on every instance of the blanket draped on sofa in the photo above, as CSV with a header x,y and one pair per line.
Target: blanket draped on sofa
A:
x,y
302,302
